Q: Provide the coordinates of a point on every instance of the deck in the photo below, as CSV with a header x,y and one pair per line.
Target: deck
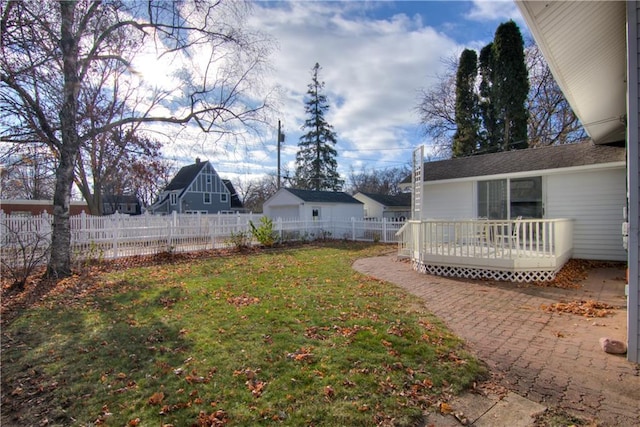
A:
x,y
516,250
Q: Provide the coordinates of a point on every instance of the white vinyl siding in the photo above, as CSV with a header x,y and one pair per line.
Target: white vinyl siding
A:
x,y
595,201
449,201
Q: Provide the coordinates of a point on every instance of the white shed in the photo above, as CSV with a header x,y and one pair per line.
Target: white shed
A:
x,y
290,203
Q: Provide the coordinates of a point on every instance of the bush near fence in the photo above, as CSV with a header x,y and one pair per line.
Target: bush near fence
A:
x,y
115,236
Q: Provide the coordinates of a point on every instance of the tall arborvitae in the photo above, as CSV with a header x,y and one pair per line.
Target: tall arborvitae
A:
x,y
316,165
510,87
486,107
465,139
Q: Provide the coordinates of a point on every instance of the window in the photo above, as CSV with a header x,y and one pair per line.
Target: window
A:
x,y
526,197
223,197
207,198
315,213
173,197
517,197
492,199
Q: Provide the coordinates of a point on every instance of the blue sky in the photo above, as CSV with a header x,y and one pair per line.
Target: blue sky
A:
x,y
375,56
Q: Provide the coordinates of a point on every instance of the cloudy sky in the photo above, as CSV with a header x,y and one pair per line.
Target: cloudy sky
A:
x,y
375,56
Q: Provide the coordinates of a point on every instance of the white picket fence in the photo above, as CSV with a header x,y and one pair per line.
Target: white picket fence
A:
x,y
115,236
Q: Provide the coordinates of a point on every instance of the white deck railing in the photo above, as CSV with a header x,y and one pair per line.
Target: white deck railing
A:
x,y
524,245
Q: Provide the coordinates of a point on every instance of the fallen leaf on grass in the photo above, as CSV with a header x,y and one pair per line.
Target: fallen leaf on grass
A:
x,y
329,392
156,398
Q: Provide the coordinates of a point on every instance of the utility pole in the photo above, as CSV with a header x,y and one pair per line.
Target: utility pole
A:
x,y
280,140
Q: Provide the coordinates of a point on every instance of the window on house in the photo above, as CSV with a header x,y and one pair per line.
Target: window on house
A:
x,y
315,213
510,198
526,197
223,197
173,198
207,198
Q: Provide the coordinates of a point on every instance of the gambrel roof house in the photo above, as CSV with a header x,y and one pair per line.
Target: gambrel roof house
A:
x,y
291,203
196,188
397,206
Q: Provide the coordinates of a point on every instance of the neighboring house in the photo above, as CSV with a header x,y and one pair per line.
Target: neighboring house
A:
x,y
394,207
37,207
124,204
236,203
290,203
583,182
196,188
594,56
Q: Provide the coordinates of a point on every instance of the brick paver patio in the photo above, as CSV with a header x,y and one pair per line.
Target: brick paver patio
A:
x,y
551,358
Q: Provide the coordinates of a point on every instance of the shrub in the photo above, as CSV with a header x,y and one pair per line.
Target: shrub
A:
x,y
23,250
264,233
239,240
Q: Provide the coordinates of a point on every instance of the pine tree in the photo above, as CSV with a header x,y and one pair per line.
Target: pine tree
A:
x,y
316,165
510,87
465,139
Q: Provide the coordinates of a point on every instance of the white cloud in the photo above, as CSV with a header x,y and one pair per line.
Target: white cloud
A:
x,y
494,10
372,69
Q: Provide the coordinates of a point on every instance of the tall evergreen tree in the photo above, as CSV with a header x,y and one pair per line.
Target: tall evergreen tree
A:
x,y
316,165
510,87
485,106
465,139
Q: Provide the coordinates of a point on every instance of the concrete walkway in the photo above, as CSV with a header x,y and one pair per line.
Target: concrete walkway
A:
x,y
551,359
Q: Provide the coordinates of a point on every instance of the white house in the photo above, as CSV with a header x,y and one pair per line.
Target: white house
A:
x,y
290,203
394,207
593,50
582,182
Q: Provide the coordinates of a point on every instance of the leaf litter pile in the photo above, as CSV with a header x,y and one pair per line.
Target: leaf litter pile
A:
x,y
570,276
587,308
290,337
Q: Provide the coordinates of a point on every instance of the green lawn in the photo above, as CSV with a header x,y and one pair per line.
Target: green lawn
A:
x,y
285,337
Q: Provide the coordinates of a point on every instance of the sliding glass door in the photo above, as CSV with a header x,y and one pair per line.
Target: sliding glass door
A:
x,y
510,198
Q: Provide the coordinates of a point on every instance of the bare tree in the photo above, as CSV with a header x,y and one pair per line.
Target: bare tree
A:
x,y
551,119
378,181
117,163
254,193
437,109
64,64
28,173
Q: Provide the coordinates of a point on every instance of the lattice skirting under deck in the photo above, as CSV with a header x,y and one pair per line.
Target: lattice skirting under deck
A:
x,y
478,273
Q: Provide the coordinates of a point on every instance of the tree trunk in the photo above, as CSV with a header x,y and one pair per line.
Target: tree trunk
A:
x,y
60,261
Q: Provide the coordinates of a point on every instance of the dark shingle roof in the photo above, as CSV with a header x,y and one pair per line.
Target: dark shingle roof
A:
x,y
532,159
185,176
398,200
323,196
235,200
